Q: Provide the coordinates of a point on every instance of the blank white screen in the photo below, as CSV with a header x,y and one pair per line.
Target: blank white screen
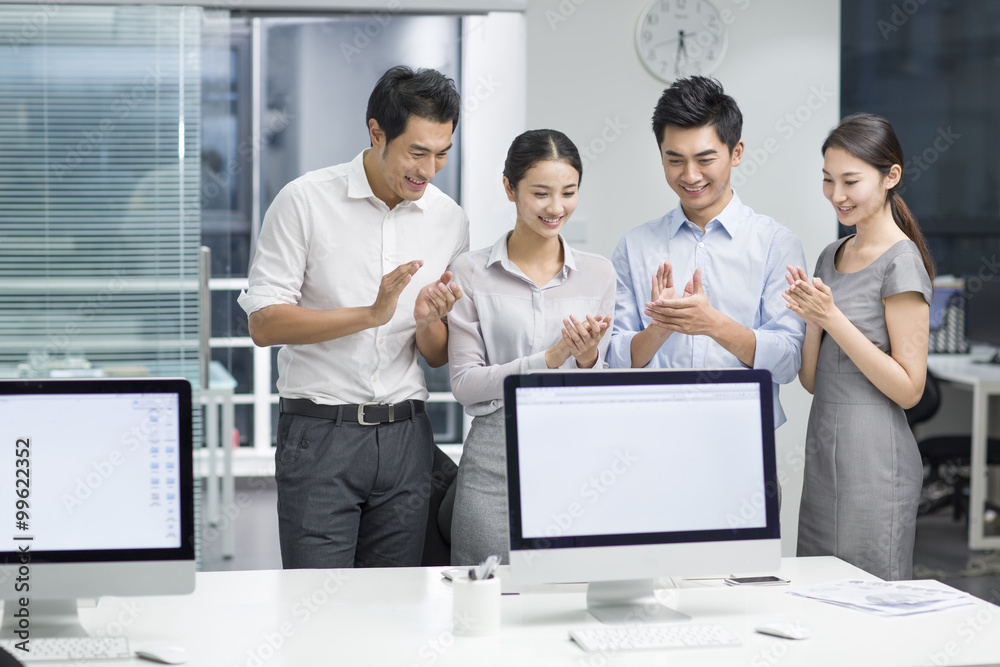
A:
x,y
104,469
639,459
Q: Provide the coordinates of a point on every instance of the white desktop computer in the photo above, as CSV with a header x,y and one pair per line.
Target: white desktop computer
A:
x,y
97,500
618,478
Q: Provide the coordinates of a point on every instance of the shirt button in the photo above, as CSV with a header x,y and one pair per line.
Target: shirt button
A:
x,y
386,257
701,245
381,341
374,378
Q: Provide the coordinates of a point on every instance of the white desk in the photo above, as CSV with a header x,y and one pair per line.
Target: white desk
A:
x,y
402,617
984,381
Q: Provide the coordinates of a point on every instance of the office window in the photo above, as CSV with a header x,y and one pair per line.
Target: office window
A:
x,y
933,69
99,211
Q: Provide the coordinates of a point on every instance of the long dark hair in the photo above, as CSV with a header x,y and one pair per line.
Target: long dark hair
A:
x,y
870,138
535,146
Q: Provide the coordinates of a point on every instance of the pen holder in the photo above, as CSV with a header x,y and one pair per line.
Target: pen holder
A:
x,y
475,610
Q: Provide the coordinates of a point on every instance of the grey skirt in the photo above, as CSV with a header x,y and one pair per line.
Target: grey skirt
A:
x,y
479,524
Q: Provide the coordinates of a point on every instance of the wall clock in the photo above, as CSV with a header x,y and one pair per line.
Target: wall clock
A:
x,y
679,38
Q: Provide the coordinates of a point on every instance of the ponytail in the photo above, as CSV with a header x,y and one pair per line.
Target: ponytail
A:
x,y
906,222
870,138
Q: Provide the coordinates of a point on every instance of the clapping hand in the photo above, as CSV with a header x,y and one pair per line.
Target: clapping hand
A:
x,y
582,338
692,313
812,300
436,300
390,288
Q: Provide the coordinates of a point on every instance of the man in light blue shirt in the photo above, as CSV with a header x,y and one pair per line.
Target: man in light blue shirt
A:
x,y
730,261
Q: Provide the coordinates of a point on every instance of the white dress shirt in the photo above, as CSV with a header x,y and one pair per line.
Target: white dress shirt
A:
x,y
742,256
325,243
505,323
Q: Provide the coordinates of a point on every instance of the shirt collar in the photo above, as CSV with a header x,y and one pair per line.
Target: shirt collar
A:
x,y
730,217
358,186
498,253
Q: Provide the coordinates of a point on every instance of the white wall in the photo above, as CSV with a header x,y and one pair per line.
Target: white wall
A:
x,y
584,78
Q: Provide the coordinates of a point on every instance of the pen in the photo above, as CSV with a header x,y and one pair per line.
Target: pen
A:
x,y
485,569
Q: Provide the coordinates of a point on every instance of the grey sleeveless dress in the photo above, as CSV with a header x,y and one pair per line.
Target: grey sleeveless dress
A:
x,y
862,468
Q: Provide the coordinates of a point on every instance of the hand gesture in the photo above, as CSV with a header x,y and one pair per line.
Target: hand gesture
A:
x,y
663,283
391,287
810,300
691,314
436,300
582,338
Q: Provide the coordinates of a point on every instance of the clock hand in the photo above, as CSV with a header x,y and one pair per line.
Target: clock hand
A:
x,y
681,51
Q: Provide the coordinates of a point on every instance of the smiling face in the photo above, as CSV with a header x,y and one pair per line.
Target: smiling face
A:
x,y
697,164
545,198
400,169
857,190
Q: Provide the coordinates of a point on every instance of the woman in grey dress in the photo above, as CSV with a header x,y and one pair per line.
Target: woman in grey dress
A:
x,y
530,302
864,358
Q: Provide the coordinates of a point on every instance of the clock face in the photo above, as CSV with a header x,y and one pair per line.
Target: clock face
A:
x,y
679,38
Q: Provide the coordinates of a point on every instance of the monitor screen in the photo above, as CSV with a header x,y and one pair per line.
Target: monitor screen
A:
x,y
102,503
982,312
625,475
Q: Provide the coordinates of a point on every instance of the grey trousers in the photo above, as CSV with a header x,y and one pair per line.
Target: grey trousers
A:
x,y
351,495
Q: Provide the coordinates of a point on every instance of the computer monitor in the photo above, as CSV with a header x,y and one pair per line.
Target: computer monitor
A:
x,y
99,497
982,314
618,478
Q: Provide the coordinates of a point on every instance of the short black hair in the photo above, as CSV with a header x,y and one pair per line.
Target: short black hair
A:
x,y
401,92
698,101
534,146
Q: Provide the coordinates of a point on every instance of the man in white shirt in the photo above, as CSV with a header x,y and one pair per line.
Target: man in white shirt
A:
x,y
701,286
331,282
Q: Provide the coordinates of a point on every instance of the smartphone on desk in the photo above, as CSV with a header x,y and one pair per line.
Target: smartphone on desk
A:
x,y
769,580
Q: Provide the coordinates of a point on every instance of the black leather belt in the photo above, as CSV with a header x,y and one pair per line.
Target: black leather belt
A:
x,y
367,414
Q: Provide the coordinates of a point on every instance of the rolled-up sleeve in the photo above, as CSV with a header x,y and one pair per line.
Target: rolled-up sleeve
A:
x,y
781,331
627,318
279,265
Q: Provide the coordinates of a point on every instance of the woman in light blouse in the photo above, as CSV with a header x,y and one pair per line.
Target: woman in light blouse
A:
x,y
531,302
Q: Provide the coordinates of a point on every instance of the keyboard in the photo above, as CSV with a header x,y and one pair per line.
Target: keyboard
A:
x,y
64,649
633,637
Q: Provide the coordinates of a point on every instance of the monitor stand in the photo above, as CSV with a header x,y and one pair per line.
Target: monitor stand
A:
x,y
47,618
629,602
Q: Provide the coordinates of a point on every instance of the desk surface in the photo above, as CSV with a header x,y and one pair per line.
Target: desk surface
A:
x,y
403,616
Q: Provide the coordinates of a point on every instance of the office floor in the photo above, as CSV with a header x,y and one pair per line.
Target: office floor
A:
x,y
940,553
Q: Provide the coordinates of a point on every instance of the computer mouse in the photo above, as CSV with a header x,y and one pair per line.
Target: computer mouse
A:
x,y
784,630
167,655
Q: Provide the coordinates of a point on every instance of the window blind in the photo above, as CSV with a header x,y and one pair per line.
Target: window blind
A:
x,y
99,180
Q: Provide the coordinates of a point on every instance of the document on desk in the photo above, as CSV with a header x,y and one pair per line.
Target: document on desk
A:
x,y
888,598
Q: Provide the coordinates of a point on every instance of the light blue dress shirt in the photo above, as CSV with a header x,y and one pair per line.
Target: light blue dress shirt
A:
x,y
742,257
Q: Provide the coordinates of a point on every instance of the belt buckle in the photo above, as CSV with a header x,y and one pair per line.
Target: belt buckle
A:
x,y
361,414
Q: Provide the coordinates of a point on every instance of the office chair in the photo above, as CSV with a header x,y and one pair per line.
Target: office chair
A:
x,y
437,538
946,456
